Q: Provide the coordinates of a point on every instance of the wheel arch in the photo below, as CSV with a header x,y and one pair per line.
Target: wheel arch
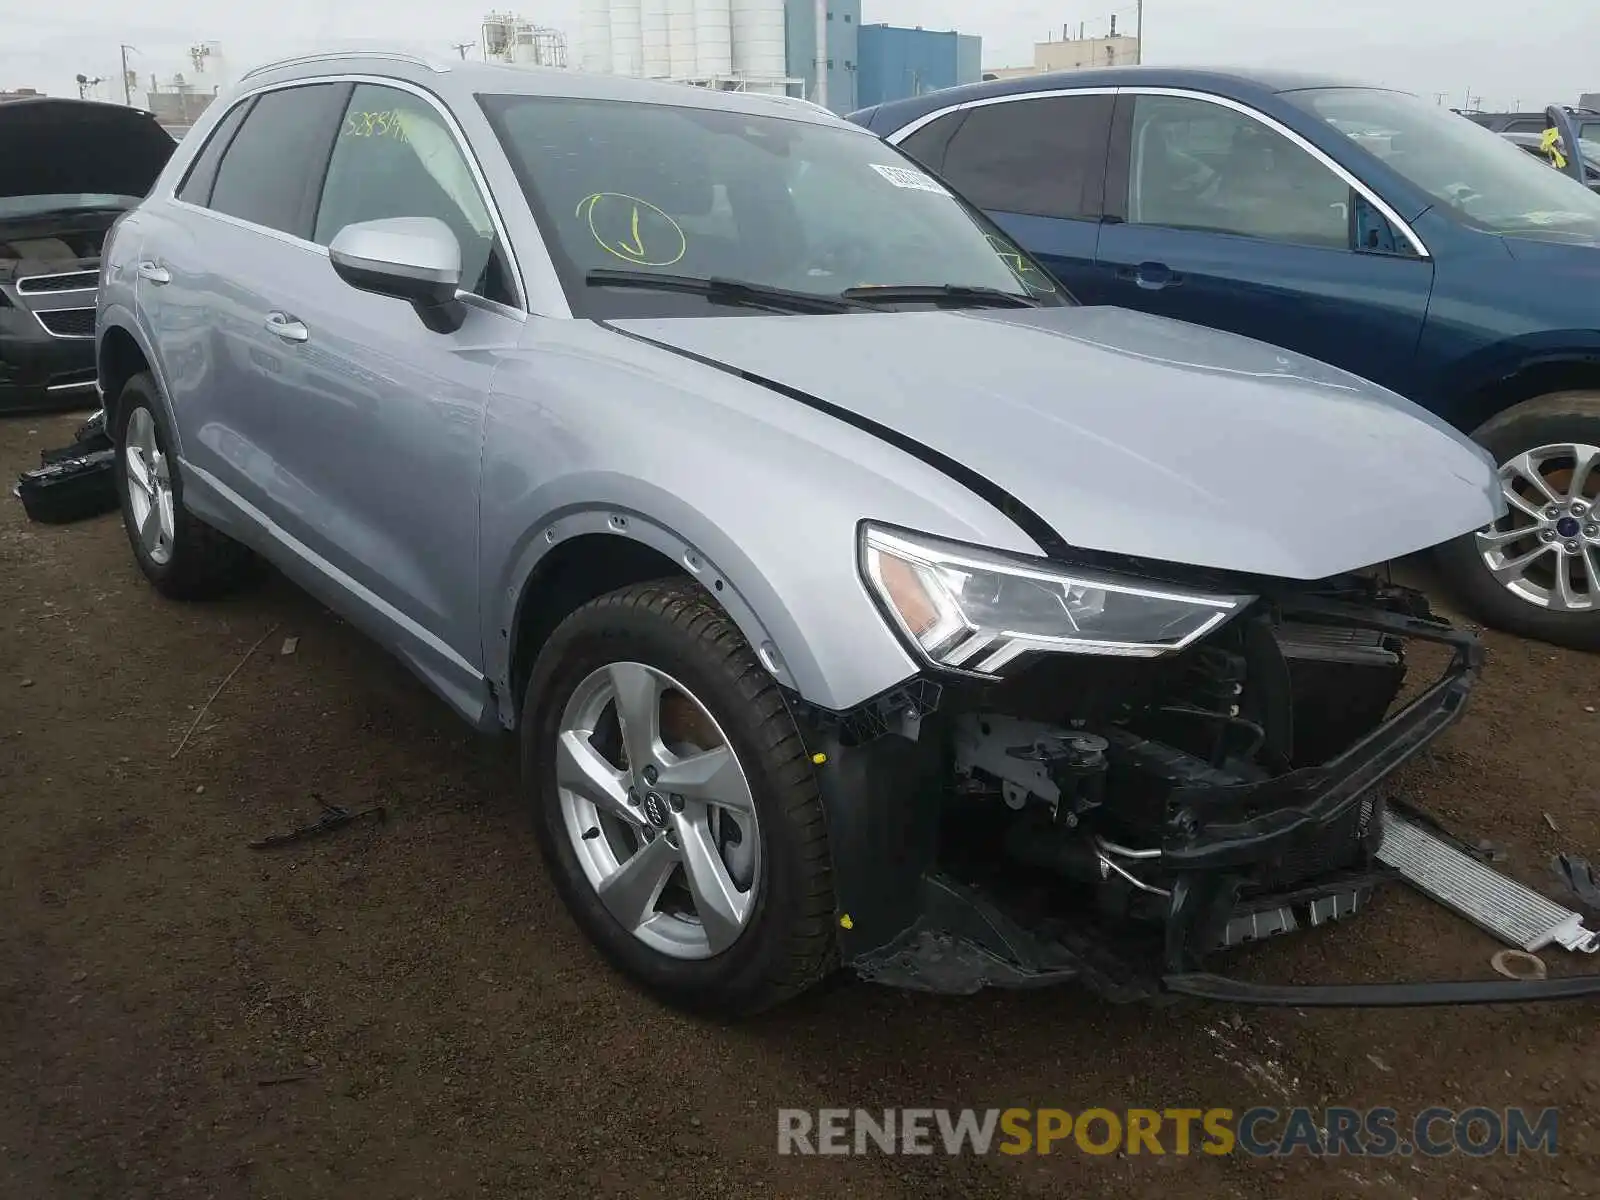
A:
x,y
581,555
1532,375
122,351
118,358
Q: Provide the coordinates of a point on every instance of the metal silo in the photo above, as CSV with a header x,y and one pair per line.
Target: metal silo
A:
x,y
713,37
680,38
653,35
594,35
627,38
758,39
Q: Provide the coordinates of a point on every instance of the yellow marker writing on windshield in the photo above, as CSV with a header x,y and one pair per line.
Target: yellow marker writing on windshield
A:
x,y
638,245
646,237
1029,276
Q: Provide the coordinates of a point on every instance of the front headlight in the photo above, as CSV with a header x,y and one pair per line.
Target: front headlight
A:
x,y
975,611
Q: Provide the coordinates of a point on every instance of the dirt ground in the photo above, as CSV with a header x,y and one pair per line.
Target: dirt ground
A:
x,y
405,1010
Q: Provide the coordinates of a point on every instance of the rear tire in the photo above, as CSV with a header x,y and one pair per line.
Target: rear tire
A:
x,y
674,637
180,554
1555,595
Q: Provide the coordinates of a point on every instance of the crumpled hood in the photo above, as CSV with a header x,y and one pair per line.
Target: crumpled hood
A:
x,y
65,147
1134,434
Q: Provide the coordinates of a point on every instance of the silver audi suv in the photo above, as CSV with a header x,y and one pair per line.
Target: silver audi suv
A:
x,y
858,598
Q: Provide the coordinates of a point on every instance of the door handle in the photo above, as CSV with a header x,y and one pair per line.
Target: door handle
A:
x,y
154,272
1151,276
281,325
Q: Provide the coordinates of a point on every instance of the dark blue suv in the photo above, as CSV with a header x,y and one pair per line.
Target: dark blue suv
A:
x,y
1364,227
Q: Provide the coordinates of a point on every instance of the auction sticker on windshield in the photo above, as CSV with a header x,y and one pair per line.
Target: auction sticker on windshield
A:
x,y
907,177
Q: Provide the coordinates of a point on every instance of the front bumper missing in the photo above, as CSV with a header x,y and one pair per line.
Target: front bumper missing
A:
x,y
906,923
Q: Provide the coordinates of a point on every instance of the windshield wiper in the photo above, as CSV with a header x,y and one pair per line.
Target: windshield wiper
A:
x,y
969,295
722,291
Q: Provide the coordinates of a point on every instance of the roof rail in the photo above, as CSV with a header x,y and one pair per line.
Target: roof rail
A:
x,y
333,55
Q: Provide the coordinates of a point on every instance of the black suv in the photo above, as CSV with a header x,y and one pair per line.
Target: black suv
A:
x,y
71,168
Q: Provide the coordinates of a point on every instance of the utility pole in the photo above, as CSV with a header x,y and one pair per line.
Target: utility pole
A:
x,y
461,48
821,16
127,81
1138,32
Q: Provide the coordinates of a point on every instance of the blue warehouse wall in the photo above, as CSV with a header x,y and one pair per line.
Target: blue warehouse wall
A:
x,y
969,58
844,21
896,63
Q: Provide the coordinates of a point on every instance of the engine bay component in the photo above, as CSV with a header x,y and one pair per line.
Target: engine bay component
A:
x,y
1517,915
1120,821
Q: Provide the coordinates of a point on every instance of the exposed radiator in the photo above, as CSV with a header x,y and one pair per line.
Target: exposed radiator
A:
x,y
1517,915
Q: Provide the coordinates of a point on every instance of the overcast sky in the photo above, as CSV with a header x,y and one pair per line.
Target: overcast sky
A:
x,y
1533,52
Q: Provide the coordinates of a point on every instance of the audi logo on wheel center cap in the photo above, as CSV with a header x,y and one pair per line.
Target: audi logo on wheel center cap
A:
x,y
655,808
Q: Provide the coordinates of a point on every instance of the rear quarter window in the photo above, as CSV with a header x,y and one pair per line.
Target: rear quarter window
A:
x,y
197,184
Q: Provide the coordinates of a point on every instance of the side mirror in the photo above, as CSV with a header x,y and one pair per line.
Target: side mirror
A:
x,y
415,259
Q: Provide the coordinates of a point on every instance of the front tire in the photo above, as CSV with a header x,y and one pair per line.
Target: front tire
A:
x,y
1536,571
181,555
675,802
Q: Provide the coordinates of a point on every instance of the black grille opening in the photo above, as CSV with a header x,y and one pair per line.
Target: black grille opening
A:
x,y
68,322
33,285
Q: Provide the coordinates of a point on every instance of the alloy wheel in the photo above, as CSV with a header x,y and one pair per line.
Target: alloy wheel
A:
x,y
1546,549
149,487
659,810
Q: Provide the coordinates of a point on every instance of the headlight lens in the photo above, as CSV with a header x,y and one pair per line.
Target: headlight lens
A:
x,y
978,612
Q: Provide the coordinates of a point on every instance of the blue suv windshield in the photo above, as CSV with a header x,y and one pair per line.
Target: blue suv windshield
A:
x,y
1483,179
772,202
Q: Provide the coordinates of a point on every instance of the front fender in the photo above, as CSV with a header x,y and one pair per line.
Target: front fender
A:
x,y
768,623
589,431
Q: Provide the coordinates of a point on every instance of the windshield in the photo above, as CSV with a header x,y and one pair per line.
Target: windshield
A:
x,y
35,206
767,201
1484,180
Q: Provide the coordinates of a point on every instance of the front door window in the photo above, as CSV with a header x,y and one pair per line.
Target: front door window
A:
x,y
1200,165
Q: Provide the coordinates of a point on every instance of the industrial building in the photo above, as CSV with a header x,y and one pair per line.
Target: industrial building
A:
x,y
772,46
893,63
509,38
1075,54
842,26
178,100
730,45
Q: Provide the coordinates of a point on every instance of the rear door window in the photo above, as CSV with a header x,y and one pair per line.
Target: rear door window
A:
x,y
1043,157
272,171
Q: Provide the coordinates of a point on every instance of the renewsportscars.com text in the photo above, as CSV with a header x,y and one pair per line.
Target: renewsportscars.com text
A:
x,y
1258,1132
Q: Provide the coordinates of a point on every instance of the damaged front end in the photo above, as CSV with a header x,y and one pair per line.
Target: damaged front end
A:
x,y
1122,820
